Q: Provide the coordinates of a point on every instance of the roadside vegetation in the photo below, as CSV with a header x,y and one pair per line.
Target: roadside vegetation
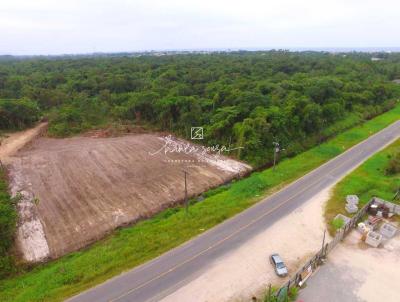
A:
x,y
8,219
270,295
393,166
379,176
248,99
131,246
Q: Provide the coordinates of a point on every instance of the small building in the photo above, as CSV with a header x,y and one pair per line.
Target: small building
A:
x,y
351,208
373,239
388,230
352,199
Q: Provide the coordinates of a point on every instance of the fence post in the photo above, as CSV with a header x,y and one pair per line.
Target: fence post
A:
x,y
269,290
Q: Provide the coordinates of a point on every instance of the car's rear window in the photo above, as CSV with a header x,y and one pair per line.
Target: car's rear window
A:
x,y
277,259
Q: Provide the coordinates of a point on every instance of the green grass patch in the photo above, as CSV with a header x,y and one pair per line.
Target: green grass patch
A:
x,y
131,246
369,180
337,223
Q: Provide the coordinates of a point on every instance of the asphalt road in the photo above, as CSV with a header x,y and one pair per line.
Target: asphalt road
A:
x,y
165,274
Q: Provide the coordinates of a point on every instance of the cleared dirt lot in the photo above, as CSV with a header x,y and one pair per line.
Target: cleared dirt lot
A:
x,y
83,187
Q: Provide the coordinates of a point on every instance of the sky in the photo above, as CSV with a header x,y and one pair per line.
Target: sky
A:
x,y
29,27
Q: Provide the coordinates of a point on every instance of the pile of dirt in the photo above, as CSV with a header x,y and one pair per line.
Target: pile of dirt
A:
x,y
81,188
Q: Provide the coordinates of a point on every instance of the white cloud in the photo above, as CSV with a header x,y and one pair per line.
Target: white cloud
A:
x,y
44,26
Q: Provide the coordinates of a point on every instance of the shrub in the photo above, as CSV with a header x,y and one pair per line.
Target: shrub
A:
x,y
393,166
337,223
285,296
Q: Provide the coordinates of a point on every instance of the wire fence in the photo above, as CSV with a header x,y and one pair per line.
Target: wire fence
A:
x,y
310,266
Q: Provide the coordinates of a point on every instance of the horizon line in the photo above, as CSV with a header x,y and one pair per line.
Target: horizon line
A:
x,y
332,49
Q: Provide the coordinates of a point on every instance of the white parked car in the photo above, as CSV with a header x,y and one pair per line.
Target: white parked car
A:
x,y
279,266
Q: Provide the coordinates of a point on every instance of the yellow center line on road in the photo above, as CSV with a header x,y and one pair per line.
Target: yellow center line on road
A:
x,y
227,237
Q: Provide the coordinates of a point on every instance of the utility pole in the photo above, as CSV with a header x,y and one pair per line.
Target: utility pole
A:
x,y
186,199
323,244
276,151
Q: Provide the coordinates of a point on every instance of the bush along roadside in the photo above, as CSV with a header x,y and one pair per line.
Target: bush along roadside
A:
x,y
271,296
8,219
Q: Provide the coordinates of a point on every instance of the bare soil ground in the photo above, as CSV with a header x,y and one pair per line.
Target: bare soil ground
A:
x,y
29,225
81,188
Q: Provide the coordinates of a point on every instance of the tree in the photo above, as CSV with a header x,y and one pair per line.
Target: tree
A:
x,y
313,120
18,114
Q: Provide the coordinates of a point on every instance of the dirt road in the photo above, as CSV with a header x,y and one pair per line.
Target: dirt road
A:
x,y
12,142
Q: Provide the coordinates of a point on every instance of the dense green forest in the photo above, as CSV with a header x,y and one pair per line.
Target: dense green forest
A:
x,y
248,99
